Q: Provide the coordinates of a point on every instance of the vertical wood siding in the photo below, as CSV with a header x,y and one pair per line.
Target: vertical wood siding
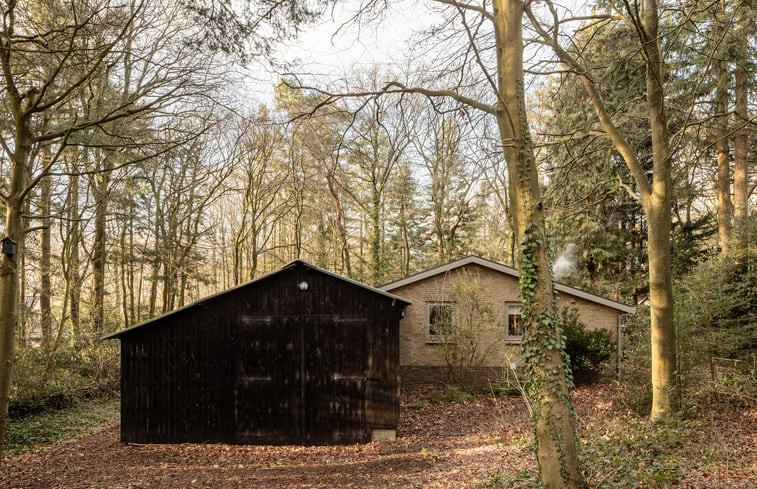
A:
x,y
266,363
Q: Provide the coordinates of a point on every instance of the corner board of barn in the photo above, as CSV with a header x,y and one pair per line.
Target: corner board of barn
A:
x,y
299,356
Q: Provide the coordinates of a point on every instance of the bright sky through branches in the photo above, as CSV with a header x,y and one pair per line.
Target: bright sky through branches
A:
x,y
336,47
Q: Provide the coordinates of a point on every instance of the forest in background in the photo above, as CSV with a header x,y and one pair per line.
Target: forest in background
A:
x,y
148,185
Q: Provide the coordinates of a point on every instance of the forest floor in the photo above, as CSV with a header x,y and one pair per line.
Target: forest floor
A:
x,y
483,443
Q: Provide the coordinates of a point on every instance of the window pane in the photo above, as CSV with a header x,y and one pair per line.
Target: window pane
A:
x,y
514,321
514,325
439,319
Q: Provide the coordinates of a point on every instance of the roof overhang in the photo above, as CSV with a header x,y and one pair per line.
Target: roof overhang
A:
x,y
477,260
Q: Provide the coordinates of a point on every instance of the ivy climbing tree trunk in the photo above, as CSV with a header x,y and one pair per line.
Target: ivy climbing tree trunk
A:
x,y
544,349
15,199
543,346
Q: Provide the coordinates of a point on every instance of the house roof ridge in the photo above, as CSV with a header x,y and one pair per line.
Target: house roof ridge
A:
x,y
484,262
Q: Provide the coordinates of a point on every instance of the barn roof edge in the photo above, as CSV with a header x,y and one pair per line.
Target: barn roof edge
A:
x,y
288,266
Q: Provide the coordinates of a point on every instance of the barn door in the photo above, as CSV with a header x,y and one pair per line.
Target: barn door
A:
x,y
267,394
335,379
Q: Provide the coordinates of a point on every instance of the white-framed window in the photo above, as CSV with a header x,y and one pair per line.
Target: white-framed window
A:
x,y
514,321
439,320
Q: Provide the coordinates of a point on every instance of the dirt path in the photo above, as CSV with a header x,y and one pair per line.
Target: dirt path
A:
x,y
442,445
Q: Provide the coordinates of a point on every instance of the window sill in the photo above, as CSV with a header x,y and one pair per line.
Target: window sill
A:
x,y
514,341
438,342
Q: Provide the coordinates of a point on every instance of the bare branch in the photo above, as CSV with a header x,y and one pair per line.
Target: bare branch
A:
x,y
460,6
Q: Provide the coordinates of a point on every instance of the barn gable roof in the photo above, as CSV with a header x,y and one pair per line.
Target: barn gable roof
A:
x,y
477,260
289,266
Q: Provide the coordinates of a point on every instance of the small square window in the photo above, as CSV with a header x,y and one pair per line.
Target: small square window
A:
x,y
439,320
514,321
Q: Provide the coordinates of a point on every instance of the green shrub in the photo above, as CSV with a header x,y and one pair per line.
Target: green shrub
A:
x,y
55,381
636,366
499,479
589,350
453,393
716,331
716,335
51,426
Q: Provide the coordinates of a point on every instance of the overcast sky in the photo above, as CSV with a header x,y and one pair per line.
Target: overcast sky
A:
x,y
334,47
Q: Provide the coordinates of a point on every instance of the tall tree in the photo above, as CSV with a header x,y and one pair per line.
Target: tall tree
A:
x,y
263,178
721,128
452,183
493,49
375,146
743,127
50,54
655,195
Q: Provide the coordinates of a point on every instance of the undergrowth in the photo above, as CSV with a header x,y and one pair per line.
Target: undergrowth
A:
x,y
26,433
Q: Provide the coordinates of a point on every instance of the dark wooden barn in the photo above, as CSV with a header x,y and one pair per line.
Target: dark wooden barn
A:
x,y
300,356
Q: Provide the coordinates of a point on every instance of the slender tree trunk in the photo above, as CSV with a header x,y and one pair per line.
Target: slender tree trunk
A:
x,y
659,218
339,221
543,347
100,185
72,253
123,274
132,259
723,184
405,238
158,252
376,239
655,199
45,309
741,140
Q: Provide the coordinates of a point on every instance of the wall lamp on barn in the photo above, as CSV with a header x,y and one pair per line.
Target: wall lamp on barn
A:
x,y
9,247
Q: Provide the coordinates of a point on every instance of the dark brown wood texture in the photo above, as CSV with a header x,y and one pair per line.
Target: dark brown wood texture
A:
x,y
266,363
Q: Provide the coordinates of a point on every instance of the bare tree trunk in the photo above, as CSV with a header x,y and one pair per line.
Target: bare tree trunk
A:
x,y
655,198
659,219
404,235
123,266
723,183
741,140
71,252
130,274
339,221
100,190
543,347
376,237
46,313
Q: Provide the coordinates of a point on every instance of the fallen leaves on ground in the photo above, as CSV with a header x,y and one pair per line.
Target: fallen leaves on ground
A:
x,y
484,443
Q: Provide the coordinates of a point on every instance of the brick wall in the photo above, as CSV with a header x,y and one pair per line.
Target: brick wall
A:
x,y
416,349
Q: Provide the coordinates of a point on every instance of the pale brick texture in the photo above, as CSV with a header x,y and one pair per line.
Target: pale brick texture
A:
x,y
496,289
